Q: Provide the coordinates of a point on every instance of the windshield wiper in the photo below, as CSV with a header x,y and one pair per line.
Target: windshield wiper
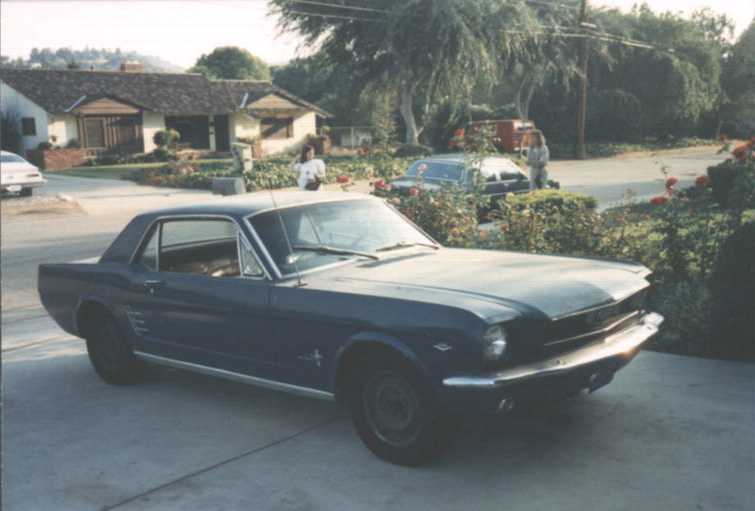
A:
x,y
405,244
334,250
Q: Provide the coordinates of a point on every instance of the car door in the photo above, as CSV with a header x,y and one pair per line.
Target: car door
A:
x,y
202,296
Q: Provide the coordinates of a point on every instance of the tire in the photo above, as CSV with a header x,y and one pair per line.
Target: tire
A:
x,y
110,354
395,416
26,192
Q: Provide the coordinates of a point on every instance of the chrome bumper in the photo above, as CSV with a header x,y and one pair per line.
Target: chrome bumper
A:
x,y
623,344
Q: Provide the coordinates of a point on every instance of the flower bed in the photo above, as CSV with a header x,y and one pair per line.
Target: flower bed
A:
x,y
277,173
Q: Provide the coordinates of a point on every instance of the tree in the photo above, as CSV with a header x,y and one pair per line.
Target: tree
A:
x,y
231,63
420,49
738,80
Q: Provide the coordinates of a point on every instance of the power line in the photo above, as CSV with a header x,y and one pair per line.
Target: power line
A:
x,y
337,16
339,6
552,4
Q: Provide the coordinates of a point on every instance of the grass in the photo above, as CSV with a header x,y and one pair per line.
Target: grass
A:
x,y
124,171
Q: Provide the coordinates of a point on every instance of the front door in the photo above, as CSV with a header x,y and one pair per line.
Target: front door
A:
x,y
202,297
222,136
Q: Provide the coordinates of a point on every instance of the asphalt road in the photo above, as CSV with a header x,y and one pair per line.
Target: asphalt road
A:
x,y
670,433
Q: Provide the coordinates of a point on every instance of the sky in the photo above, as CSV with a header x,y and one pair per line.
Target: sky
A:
x,y
179,31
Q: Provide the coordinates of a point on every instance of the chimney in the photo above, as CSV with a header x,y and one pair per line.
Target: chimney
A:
x,y
132,66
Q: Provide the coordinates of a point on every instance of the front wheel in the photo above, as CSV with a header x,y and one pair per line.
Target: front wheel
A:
x,y
110,354
394,415
26,192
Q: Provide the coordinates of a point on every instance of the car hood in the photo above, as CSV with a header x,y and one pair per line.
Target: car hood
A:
x,y
531,284
431,185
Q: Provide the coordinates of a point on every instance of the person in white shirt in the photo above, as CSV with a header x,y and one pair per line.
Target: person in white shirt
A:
x,y
311,170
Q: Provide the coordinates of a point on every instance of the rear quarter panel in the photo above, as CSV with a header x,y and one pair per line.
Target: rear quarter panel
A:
x,y
63,287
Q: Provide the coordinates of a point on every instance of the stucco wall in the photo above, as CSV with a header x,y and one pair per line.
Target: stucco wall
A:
x,y
152,123
303,127
16,104
64,128
245,126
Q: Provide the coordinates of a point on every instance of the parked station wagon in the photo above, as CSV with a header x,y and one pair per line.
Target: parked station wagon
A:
x,y
338,296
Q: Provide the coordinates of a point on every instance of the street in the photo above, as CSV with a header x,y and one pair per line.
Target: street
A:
x,y
671,432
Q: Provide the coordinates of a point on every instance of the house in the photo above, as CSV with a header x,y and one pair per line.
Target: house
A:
x,y
120,111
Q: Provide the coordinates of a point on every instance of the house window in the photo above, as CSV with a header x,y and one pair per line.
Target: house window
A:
x,y
275,128
95,132
28,126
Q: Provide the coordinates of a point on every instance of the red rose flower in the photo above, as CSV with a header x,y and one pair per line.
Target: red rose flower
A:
x,y
670,182
701,181
657,201
342,179
413,191
379,184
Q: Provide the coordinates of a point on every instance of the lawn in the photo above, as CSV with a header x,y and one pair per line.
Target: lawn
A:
x,y
124,171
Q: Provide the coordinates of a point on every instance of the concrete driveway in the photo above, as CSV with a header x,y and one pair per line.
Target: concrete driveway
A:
x,y
670,433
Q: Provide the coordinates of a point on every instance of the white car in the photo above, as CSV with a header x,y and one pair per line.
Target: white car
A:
x,y
18,175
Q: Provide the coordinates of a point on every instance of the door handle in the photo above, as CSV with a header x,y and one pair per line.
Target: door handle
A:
x,y
152,284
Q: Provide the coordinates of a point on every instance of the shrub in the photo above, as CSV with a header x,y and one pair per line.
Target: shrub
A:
x,y
722,180
73,144
166,137
732,286
448,216
162,154
546,221
412,151
545,200
44,146
685,305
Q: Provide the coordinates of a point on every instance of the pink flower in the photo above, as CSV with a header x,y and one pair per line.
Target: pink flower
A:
x,y
413,191
670,182
342,179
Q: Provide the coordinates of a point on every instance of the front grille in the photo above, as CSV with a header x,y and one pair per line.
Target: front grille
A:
x,y
579,329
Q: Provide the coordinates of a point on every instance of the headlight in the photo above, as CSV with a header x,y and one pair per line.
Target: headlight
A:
x,y
494,344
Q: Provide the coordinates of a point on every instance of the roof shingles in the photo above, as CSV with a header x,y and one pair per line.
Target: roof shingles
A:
x,y
167,93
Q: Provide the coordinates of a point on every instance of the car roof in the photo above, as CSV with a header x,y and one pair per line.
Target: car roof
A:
x,y
463,157
257,202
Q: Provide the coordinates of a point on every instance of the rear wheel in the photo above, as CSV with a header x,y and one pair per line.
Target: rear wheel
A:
x,y
395,416
110,354
27,192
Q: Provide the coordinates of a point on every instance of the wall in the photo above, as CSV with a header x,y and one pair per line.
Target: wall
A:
x,y
303,127
249,127
15,103
64,128
152,123
59,159
244,126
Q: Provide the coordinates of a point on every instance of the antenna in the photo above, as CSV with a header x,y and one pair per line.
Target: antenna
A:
x,y
300,282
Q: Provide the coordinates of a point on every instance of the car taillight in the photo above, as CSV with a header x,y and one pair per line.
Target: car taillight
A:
x,y
32,175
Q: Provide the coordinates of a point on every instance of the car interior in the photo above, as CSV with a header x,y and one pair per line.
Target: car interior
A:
x,y
212,258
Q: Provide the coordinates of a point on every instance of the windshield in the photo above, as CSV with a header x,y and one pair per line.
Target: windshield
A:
x,y
351,225
436,170
11,158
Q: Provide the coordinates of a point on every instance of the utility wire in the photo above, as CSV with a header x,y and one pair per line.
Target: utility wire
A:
x,y
337,16
542,29
339,6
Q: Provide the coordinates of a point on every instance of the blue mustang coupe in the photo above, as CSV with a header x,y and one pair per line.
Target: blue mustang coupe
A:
x,y
338,296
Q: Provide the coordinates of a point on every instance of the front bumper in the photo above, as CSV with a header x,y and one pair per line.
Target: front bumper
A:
x,y
586,367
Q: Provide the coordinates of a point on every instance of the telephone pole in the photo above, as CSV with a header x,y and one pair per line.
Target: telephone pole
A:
x,y
579,149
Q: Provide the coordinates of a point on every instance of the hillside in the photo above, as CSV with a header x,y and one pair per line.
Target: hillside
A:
x,y
100,59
